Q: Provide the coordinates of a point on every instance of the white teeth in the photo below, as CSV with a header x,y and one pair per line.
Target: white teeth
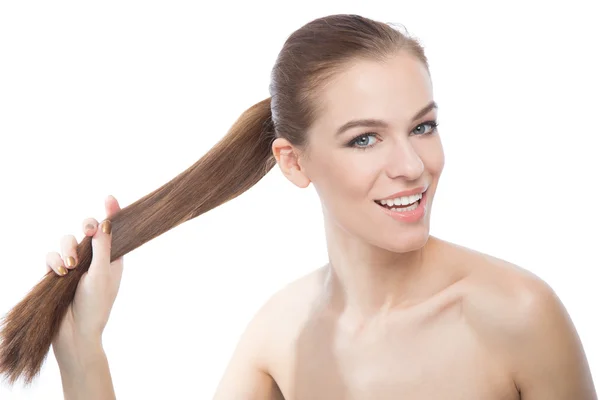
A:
x,y
405,209
401,201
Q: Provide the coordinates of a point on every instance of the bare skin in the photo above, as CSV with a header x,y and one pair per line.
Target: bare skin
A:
x,y
395,313
78,347
474,339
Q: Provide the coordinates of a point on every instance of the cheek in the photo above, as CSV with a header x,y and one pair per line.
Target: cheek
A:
x,y
348,175
435,165
432,155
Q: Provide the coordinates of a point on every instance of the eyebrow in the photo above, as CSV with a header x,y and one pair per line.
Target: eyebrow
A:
x,y
377,123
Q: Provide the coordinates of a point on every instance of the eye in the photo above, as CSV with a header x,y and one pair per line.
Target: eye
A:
x,y
363,141
421,129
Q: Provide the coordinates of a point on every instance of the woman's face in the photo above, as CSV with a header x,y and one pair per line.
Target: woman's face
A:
x,y
399,150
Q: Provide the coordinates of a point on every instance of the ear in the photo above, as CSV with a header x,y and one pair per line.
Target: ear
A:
x,y
288,161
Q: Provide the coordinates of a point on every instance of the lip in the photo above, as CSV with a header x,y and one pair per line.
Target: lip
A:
x,y
409,216
418,190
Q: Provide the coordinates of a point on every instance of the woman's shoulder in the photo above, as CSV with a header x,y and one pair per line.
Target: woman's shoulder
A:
x,y
295,300
523,322
498,279
287,309
501,297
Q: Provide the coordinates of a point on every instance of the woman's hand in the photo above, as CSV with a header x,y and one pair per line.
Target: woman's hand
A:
x,y
88,314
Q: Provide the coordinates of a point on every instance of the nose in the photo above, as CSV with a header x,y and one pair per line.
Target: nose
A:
x,y
404,161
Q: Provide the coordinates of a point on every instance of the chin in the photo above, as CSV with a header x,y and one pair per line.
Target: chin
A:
x,y
412,238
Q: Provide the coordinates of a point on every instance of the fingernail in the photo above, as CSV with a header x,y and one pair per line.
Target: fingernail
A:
x,y
89,227
106,226
70,261
62,270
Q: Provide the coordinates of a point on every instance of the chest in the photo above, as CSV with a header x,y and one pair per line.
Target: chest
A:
x,y
441,358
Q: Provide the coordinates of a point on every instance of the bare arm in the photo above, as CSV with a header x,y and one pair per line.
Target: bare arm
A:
x,y
246,376
551,363
78,344
84,372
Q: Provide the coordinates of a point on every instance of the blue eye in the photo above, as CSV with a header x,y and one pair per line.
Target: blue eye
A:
x,y
363,142
421,128
367,140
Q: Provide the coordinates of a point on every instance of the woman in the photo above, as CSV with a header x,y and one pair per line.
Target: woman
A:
x,y
396,312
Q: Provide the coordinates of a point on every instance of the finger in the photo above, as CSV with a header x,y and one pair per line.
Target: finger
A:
x,y
101,247
89,226
101,241
55,262
68,248
111,205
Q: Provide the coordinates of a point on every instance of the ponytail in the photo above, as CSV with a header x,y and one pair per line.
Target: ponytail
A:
x,y
231,167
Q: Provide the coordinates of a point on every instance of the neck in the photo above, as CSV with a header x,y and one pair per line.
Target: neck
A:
x,y
366,281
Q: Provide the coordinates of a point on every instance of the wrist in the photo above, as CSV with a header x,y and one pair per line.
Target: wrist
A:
x,y
78,353
86,375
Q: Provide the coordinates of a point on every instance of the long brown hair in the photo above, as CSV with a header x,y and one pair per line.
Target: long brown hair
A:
x,y
310,56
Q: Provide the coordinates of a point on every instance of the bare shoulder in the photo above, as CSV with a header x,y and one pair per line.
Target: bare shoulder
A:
x,y
296,298
501,296
286,311
523,323
254,371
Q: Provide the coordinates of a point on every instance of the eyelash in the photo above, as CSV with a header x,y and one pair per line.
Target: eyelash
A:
x,y
432,124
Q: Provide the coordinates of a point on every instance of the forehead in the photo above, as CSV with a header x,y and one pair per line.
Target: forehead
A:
x,y
393,90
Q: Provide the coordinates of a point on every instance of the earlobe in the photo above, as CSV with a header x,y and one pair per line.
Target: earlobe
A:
x,y
287,159
299,178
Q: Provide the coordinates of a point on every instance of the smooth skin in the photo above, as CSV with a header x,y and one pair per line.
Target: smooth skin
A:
x,y
396,313
78,345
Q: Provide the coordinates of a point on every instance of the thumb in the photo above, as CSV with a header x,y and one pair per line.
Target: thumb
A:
x,y
111,205
101,248
101,241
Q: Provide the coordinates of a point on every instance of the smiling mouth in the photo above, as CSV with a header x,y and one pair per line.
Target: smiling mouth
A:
x,y
400,204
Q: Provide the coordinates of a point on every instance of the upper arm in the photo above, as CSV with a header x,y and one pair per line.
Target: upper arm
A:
x,y
246,375
550,360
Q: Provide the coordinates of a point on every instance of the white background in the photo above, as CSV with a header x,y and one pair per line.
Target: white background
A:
x,y
118,97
